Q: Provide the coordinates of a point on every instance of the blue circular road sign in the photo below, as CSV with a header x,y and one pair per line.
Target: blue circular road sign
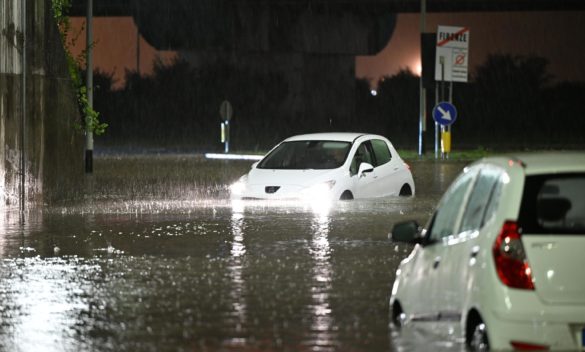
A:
x,y
445,113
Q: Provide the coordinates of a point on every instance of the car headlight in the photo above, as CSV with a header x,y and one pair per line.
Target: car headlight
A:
x,y
319,190
239,187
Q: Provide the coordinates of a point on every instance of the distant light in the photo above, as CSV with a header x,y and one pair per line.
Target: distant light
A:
x,y
418,69
233,156
374,92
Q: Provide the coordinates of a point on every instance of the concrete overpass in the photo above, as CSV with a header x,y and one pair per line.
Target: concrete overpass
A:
x,y
124,7
283,25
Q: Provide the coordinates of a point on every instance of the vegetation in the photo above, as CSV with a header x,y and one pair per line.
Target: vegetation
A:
x,y
511,102
455,155
178,106
74,64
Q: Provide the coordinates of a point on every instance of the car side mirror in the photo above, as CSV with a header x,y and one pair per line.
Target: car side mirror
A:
x,y
365,168
407,232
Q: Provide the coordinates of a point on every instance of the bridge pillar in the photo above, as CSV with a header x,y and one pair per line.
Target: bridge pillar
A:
x,y
311,44
52,149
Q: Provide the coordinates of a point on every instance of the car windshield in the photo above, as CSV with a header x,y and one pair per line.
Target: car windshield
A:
x,y
297,155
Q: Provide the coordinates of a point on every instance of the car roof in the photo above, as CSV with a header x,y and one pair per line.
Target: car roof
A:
x,y
328,136
543,162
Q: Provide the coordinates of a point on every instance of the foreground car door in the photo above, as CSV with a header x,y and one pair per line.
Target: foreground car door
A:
x,y
461,250
436,249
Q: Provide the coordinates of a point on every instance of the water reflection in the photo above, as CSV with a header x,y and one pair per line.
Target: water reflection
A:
x,y
203,275
235,269
414,338
323,337
41,300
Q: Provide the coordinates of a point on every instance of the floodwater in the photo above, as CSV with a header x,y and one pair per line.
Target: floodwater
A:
x,y
121,272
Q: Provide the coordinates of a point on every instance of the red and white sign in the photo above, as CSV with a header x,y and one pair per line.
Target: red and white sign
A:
x,y
452,54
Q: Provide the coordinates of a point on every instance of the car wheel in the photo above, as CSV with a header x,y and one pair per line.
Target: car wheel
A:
x,y
405,191
346,195
397,315
479,339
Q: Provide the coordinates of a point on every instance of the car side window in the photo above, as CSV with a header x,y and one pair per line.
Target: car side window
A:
x,y
362,155
479,199
494,200
381,152
449,209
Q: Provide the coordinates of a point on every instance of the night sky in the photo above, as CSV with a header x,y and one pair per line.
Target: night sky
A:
x,y
557,36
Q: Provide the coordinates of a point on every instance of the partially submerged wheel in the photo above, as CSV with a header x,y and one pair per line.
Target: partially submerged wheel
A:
x,y
405,191
397,314
346,195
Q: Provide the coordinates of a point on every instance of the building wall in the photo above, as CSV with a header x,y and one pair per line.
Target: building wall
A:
x,y
53,149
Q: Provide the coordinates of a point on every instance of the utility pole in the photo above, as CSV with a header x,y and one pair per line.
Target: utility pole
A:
x,y
89,89
422,90
23,118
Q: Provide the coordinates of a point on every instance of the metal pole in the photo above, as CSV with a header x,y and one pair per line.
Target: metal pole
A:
x,y
138,40
23,117
436,123
442,98
89,89
449,128
227,137
422,93
442,62
137,51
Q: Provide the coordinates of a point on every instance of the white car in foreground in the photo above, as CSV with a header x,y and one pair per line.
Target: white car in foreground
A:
x,y
501,264
327,166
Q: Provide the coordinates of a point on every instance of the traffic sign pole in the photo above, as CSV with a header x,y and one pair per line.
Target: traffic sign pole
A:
x,y
449,132
422,90
445,114
436,123
225,112
450,65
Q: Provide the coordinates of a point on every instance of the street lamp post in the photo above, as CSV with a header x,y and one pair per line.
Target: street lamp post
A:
x,y
89,90
422,90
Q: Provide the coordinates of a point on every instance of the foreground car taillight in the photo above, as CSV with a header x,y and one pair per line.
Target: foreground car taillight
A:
x,y
527,346
510,258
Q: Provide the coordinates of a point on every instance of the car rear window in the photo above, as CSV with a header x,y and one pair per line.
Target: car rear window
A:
x,y
553,204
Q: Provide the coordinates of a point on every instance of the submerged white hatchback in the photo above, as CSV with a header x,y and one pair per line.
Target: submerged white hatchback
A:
x,y
501,263
328,166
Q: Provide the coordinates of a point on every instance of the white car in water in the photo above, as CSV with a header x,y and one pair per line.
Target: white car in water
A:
x,y
501,263
327,166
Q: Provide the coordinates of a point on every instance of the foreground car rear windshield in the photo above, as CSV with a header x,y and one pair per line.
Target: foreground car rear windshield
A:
x,y
554,204
298,155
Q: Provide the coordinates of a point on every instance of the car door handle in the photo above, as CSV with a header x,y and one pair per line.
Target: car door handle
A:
x,y
474,251
436,262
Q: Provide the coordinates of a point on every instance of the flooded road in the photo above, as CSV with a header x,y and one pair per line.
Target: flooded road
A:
x,y
162,261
